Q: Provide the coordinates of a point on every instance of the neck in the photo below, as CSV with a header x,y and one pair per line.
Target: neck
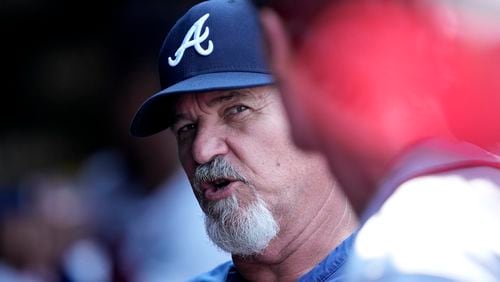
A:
x,y
303,244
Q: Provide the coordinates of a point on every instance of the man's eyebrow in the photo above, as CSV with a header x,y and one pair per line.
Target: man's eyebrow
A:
x,y
176,118
228,97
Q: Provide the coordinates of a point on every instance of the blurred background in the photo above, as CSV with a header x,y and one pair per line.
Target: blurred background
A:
x,y
81,200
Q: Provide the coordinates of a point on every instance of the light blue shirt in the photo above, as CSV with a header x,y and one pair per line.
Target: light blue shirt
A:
x,y
332,268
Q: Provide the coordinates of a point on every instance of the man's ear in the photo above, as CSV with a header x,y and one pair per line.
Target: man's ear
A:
x,y
277,42
291,82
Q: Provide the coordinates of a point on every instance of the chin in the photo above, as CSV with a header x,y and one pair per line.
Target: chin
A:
x,y
240,231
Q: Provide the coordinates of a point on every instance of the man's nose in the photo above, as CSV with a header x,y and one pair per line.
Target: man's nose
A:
x,y
208,144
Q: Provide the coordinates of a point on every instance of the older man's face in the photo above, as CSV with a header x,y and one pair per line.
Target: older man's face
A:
x,y
245,171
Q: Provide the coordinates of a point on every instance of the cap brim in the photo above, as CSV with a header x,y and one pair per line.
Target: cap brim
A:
x,y
156,113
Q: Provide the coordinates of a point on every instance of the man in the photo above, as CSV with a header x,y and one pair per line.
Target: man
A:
x,y
275,208
389,91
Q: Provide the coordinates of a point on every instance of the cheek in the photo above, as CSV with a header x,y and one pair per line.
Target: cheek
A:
x,y
261,149
186,161
276,154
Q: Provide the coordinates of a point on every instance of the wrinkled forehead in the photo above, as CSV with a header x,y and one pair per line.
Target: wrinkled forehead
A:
x,y
212,99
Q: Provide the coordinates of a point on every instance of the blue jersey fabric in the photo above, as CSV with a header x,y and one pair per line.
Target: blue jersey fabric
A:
x,y
331,268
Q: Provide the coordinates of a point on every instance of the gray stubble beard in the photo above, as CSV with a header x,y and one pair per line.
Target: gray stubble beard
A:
x,y
238,230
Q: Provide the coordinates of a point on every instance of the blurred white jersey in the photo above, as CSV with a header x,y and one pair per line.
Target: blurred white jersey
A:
x,y
437,218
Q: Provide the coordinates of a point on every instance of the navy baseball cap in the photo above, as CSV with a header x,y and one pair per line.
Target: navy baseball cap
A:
x,y
216,45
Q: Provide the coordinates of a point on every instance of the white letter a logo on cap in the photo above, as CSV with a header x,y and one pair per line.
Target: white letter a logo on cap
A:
x,y
197,38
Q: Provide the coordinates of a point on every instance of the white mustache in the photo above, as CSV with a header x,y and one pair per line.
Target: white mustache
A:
x,y
216,169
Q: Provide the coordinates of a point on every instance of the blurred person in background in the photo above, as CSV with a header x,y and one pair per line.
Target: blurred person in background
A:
x,y
402,97
46,234
142,201
58,116
275,208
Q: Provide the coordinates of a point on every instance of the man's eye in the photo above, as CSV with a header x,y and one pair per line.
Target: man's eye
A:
x,y
236,110
185,129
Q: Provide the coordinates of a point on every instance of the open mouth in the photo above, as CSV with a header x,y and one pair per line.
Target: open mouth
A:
x,y
220,183
218,189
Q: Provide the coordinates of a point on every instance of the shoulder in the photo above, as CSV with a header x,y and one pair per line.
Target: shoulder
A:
x,y
439,225
217,274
